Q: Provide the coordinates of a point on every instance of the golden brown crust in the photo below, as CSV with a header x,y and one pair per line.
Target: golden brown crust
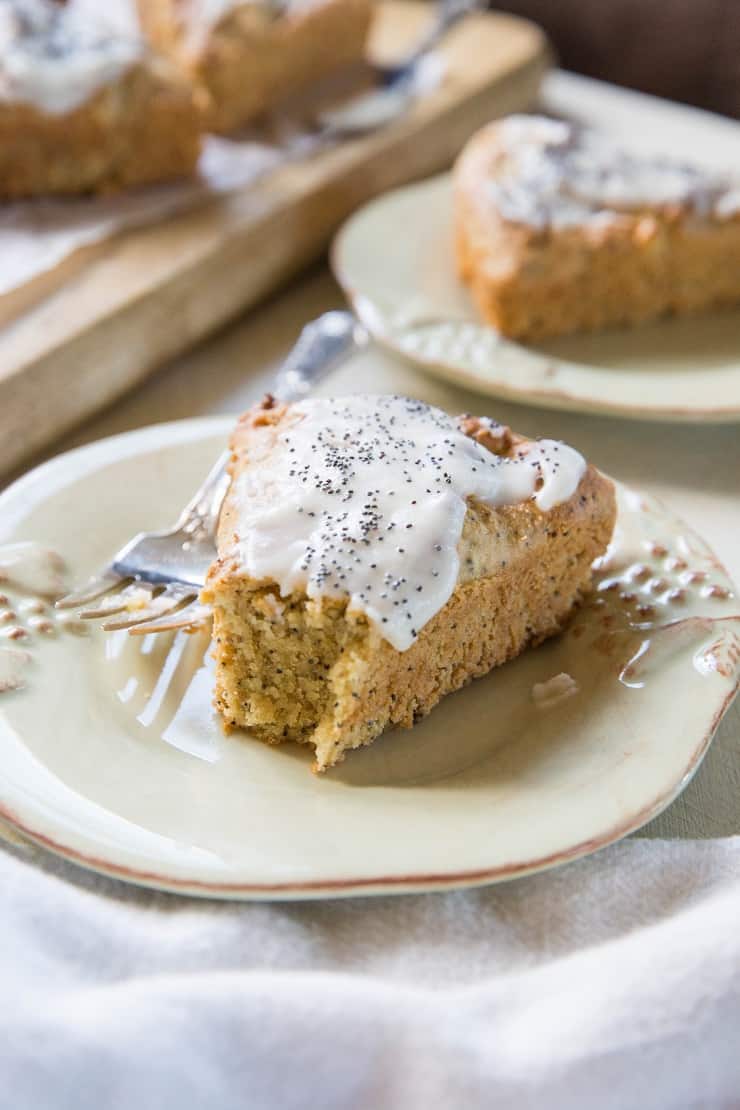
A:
x,y
496,438
530,284
250,60
293,669
145,127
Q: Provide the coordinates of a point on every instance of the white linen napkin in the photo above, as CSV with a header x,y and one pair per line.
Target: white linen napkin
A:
x,y
37,235
613,982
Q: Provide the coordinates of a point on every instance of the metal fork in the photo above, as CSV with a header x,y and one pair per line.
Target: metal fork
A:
x,y
396,85
152,584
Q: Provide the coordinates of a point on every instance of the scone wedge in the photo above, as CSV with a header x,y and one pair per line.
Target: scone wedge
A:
x,y
357,582
249,56
86,109
558,230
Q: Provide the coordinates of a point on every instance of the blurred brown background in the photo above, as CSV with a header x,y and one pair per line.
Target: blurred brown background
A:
x,y
685,50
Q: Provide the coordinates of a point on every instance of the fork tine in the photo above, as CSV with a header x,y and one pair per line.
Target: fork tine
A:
x,y
121,602
191,617
95,587
175,596
103,611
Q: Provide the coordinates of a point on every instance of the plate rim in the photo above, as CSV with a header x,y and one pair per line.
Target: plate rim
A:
x,y
549,398
193,428
316,889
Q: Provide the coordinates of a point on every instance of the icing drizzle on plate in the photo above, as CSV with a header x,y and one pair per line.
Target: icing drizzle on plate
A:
x,y
363,498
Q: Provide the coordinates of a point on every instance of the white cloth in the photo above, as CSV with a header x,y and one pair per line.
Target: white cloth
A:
x,y
38,235
614,982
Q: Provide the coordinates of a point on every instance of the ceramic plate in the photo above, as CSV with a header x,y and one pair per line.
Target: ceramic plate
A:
x,y
394,259
111,755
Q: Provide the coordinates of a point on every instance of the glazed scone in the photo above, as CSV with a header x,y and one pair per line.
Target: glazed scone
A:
x,y
249,56
557,230
376,554
83,109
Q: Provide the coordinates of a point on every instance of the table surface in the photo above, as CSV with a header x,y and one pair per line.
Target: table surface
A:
x,y
695,470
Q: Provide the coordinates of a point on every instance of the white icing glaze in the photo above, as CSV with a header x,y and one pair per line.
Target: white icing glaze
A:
x,y
560,175
363,498
56,56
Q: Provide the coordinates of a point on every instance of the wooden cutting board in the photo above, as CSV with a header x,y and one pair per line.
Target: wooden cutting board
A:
x,y
107,319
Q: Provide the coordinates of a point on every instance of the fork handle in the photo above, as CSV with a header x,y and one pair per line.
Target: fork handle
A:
x,y
448,13
200,516
320,348
322,345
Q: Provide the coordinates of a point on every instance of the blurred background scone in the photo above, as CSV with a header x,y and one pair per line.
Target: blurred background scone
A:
x,y
85,109
558,230
250,55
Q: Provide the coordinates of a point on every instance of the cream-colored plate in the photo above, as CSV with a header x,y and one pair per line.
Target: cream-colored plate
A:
x,y
112,756
394,259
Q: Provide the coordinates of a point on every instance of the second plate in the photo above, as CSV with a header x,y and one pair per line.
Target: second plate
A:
x,y
112,755
395,261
